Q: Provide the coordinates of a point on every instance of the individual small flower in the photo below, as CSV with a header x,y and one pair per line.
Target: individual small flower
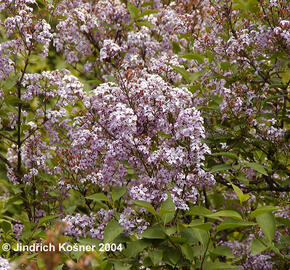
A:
x,y
17,229
130,220
109,49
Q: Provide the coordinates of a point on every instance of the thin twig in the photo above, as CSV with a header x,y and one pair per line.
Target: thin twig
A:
x,y
8,138
6,161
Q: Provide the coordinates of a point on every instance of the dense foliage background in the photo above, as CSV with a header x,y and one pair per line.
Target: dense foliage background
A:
x,y
160,126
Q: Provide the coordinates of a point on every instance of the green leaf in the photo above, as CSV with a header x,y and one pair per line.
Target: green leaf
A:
x,y
243,179
192,235
112,230
145,23
46,219
155,256
27,230
134,247
76,255
167,210
225,65
189,235
170,230
147,206
121,266
185,74
242,197
217,199
6,226
165,135
171,256
199,211
89,241
110,78
219,266
257,247
134,11
148,12
245,6
193,56
226,154
220,167
266,222
216,100
154,233
231,224
189,252
285,240
223,251
257,167
201,235
195,87
285,76
10,82
118,192
203,226
59,267
283,221
195,75
126,163
93,82
98,197
175,47
13,100
177,239
226,213
147,4
263,209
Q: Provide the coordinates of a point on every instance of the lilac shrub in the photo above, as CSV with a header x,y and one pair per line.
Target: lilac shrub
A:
x,y
162,121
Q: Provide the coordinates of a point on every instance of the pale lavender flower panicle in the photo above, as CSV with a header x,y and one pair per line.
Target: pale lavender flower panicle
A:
x,y
17,229
4,264
109,49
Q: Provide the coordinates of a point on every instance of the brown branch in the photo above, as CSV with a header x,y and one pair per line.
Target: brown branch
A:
x,y
6,161
271,187
19,161
8,138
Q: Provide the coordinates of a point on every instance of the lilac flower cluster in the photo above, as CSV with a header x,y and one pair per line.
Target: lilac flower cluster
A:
x,y
267,130
6,65
83,225
31,33
86,29
109,49
80,33
130,220
283,212
257,262
17,229
127,121
103,216
78,225
51,84
4,264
